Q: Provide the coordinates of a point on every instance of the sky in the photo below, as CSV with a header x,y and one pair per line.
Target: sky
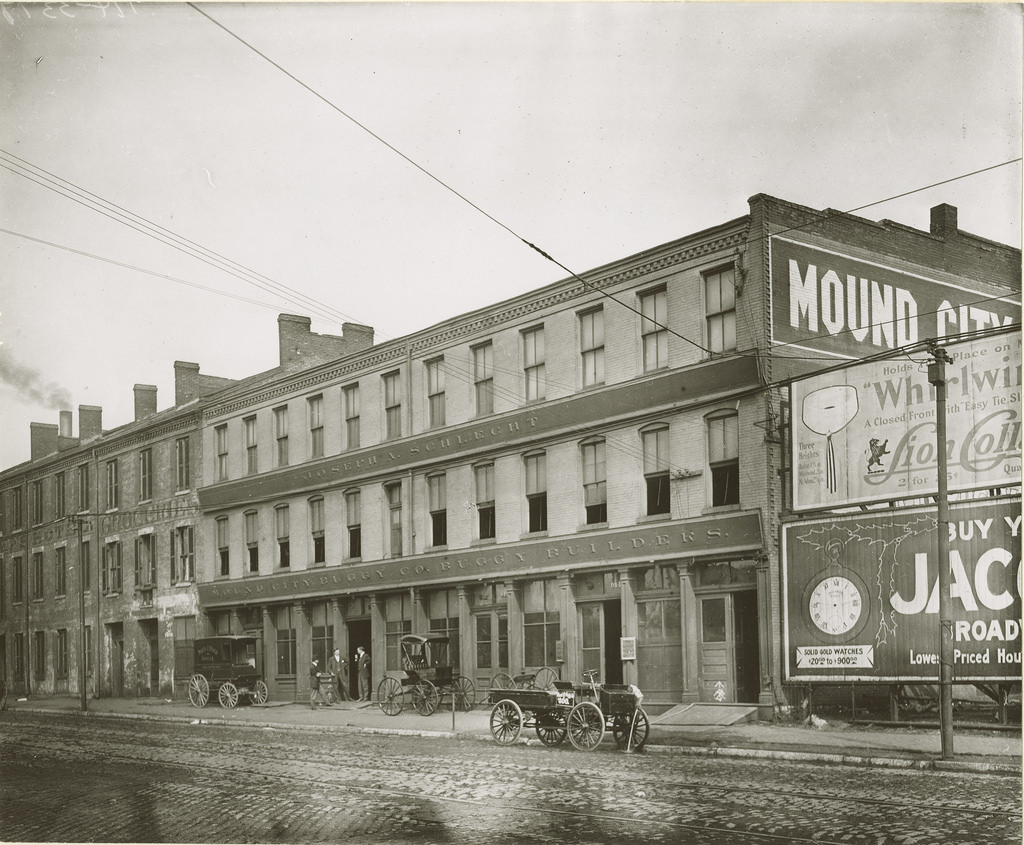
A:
x,y
382,163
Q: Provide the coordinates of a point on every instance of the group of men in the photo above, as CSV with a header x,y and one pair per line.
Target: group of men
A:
x,y
336,671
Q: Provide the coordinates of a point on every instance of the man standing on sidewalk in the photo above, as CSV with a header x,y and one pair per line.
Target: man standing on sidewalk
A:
x,y
336,668
363,663
314,686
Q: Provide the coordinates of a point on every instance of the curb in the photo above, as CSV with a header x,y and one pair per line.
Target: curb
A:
x,y
736,752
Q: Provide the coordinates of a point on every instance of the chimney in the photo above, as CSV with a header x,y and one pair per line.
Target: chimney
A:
x,y
145,401
90,422
186,382
944,221
298,347
65,437
292,338
43,437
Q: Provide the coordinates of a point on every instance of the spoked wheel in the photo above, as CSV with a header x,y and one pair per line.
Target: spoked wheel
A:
x,y
622,726
545,678
550,731
389,696
227,695
260,693
198,690
464,693
503,680
506,722
424,697
585,726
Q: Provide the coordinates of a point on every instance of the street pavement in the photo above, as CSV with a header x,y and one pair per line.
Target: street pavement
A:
x,y
991,751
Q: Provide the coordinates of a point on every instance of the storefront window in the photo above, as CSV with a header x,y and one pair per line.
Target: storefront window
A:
x,y
285,641
399,621
541,623
323,632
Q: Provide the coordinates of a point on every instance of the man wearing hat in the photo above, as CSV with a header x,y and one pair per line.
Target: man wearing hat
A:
x,y
336,668
314,686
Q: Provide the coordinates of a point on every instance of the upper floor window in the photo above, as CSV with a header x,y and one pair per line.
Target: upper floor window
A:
x,y
724,459
316,426
592,346
145,561
183,554
182,464
111,578
353,521
350,399
223,546
484,478
220,443
720,306
37,575
281,520
60,571
281,435
438,506
393,495
653,331
392,406
145,475
316,529
536,492
595,490
17,509
435,392
83,488
483,378
251,455
113,486
18,580
656,477
35,502
60,493
252,540
533,363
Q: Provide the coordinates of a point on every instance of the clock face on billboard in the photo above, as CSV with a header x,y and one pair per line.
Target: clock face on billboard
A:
x,y
835,605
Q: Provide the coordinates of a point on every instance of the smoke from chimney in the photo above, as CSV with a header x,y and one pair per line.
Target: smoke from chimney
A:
x,y
31,384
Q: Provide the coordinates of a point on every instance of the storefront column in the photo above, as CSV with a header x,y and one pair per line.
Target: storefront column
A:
x,y
303,648
765,698
630,622
467,635
340,639
420,616
516,648
378,645
269,649
691,637
569,668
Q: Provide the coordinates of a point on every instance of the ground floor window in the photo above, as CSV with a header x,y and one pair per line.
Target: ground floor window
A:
x,y
184,629
285,641
322,633
398,614
659,647
541,623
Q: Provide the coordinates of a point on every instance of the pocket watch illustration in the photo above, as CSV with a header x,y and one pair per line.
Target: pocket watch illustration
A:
x,y
836,599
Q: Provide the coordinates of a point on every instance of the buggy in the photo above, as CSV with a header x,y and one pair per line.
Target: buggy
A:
x,y
225,667
427,673
582,713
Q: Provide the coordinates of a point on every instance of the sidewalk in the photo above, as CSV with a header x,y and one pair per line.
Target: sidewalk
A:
x,y
975,750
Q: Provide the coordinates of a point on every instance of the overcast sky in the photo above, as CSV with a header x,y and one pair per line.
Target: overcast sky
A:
x,y
592,130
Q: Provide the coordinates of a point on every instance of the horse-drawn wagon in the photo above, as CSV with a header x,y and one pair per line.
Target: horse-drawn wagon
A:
x,y
428,675
225,667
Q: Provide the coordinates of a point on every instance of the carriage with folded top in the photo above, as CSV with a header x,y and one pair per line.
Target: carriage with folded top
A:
x,y
428,676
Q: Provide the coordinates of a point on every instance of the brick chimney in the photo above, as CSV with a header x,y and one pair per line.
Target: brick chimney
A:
x,y
43,438
944,221
90,422
145,401
186,382
65,437
299,347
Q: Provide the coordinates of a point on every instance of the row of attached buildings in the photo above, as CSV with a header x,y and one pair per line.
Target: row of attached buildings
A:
x,y
593,475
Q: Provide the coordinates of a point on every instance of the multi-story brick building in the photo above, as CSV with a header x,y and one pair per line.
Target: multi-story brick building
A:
x,y
590,475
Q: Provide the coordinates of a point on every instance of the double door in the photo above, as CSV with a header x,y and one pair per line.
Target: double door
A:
x,y
600,627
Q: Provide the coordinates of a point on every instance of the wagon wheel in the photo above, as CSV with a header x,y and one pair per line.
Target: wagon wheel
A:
x,y
227,695
198,690
389,696
621,727
503,680
545,678
506,722
585,726
259,693
424,697
550,730
464,693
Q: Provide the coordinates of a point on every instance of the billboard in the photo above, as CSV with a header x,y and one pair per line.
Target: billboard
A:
x,y
827,302
867,433
861,602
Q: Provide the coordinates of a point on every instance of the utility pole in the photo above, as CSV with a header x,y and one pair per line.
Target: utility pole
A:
x,y
937,378
77,521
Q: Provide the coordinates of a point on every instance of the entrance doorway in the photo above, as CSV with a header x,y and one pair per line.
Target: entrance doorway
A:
x,y
600,627
491,638
148,628
359,633
729,648
115,640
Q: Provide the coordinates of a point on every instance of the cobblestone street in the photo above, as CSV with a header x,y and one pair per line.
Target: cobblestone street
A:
x,y
120,781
